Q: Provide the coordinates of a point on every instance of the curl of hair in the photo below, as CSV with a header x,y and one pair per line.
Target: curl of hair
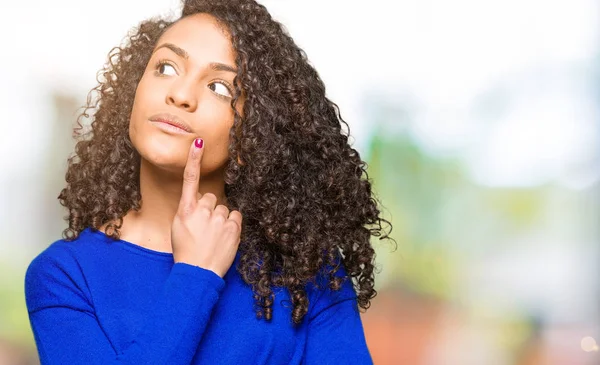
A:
x,y
303,191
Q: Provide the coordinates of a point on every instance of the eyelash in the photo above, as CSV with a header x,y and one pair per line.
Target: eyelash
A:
x,y
161,63
164,62
229,88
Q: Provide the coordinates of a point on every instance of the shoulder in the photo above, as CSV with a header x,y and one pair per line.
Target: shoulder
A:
x,y
322,297
57,256
55,271
60,255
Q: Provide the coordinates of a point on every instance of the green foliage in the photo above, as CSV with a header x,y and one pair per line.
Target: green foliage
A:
x,y
439,216
14,321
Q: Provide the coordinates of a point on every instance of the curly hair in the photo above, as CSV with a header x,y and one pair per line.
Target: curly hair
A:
x,y
303,191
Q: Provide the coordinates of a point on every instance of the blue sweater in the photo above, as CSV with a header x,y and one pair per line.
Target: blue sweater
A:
x,y
98,301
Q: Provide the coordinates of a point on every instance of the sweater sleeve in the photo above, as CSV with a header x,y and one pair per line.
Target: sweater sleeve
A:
x,y
335,331
66,330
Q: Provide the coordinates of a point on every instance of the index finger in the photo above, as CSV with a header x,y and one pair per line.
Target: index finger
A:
x,y
191,174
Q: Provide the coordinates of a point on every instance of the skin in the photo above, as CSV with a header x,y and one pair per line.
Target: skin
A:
x,y
184,85
307,203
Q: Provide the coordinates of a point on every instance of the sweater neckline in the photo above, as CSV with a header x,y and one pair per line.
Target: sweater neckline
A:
x,y
129,245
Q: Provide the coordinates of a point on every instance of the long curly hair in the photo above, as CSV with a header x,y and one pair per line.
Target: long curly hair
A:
x,y
303,191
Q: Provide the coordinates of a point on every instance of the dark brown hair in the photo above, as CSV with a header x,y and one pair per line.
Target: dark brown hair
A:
x,y
302,189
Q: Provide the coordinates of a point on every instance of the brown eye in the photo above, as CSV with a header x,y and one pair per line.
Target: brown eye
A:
x,y
166,69
222,90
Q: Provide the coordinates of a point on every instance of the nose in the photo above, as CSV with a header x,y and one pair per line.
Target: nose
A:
x,y
182,94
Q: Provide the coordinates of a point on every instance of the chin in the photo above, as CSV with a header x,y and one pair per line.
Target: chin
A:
x,y
161,150
165,162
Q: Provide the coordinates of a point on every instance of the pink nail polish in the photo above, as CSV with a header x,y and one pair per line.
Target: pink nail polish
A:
x,y
199,142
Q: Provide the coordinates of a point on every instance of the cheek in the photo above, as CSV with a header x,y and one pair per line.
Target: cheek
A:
x,y
147,97
153,145
216,135
147,94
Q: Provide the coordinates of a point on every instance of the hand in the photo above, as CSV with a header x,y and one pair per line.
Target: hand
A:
x,y
202,234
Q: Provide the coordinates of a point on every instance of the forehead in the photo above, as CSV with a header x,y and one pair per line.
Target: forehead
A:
x,y
202,37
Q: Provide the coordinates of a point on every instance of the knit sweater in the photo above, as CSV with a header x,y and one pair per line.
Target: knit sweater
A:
x,y
95,300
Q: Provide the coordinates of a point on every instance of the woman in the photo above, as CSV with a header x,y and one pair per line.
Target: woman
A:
x,y
217,214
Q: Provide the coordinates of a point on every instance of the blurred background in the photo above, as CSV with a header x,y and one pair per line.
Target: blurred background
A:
x,y
480,123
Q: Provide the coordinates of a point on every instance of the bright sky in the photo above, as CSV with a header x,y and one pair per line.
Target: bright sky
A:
x,y
461,61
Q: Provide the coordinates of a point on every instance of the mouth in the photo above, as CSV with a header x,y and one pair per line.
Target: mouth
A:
x,y
170,123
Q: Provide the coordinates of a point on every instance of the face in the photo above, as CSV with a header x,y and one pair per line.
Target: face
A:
x,y
188,81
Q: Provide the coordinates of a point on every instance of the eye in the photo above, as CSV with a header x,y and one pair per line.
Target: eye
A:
x,y
164,68
223,89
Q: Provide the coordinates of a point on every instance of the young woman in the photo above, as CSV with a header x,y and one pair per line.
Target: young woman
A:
x,y
217,214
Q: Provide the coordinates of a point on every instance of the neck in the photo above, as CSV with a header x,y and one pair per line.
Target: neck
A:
x,y
150,227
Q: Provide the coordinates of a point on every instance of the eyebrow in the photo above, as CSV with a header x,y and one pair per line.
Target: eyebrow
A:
x,y
216,66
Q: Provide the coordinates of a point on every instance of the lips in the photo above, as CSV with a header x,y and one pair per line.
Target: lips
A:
x,y
172,120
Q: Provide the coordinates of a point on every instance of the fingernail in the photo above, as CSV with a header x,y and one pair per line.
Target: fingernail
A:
x,y
199,142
